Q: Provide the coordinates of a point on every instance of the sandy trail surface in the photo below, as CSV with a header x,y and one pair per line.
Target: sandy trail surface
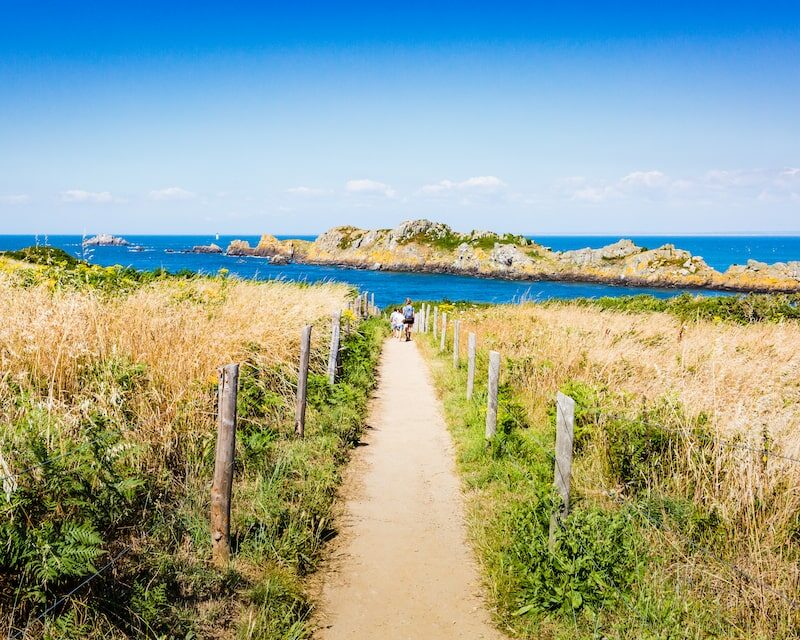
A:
x,y
401,567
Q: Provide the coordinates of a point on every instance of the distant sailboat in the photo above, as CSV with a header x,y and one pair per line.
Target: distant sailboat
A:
x,y
217,237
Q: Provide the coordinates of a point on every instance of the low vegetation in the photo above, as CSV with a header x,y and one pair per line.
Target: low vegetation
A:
x,y
107,396
742,309
685,519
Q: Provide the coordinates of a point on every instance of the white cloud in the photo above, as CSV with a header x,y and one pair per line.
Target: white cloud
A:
x,y
96,197
595,194
370,187
647,179
171,193
717,185
21,198
309,192
476,184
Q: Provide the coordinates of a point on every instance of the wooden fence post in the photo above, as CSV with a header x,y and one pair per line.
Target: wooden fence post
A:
x,y
456,342
444,331
223,465
427,318
472,347
373,310
565,430
333,356
422,311
435,322
302,382
491,402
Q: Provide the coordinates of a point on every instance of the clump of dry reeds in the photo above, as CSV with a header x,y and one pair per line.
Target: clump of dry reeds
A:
x,y
740,382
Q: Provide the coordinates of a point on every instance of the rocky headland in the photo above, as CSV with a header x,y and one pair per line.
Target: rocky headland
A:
x,y
424,246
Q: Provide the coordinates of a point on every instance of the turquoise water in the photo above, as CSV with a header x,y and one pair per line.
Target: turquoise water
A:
x,y
719,252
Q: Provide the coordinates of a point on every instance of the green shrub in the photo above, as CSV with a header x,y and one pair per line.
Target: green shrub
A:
x,y
594,560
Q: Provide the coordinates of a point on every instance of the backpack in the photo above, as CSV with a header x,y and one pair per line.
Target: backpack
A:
x,y
408,312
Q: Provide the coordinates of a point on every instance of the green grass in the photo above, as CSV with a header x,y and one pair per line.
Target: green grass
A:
x,y
741,309
611,571
91,495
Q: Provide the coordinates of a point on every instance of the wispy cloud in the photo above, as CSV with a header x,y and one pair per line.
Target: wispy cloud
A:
x,y
309,192
21,198
716,185
645,179
475,184
95,197
171,193
370,187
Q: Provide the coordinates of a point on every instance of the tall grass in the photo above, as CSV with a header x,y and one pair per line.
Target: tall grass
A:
x,y
688,429
107,396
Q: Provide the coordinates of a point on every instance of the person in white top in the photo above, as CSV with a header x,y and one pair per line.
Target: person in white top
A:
x,y
396,320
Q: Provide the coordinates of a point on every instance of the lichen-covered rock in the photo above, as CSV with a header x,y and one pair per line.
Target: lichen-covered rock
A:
x,y
466,259
508,256
780,271
616,251
268,246
418,229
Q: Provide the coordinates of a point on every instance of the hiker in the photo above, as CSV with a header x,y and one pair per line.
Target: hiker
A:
x,y
408,318
396,320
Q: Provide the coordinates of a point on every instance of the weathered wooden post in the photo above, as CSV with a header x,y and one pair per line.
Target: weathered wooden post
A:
x,y
223,465
302,382
491,402
472,347
333,356
427,318
372,308
456,345
435,322
565,431
444,331
421,327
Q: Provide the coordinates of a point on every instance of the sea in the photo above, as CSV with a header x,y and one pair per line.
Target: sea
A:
x,y
169,252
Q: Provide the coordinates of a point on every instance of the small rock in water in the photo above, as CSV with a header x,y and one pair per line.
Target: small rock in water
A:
x,y
206,248
105,240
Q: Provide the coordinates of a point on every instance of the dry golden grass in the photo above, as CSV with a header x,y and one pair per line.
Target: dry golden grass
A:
x,y
744,378
747,377
181,330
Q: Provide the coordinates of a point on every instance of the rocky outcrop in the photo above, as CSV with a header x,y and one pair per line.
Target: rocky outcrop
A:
x,y
268,247
425,246
757,272
206,248
105,240
618,250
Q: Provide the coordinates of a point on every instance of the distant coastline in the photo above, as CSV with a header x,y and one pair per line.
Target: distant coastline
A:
x,y
422,246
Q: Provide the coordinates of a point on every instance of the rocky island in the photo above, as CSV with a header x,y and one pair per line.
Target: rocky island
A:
x,y
432,247
105,240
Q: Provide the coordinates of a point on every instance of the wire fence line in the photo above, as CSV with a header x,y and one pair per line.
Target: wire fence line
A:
x,y
692,546
20,633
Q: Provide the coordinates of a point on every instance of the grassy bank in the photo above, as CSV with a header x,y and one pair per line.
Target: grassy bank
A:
x,y
107,397
686,514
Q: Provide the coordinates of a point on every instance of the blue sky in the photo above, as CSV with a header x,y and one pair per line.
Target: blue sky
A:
x,y
202,117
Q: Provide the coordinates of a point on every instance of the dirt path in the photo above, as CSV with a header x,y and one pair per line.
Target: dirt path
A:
x,y
401,567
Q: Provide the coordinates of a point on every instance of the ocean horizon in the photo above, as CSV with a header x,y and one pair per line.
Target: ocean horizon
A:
x,y
168,251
